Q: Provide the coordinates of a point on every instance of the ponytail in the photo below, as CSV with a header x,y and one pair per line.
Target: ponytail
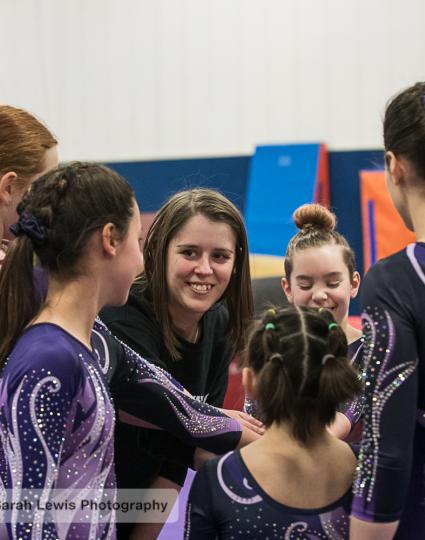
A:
x,y
18,305
299,356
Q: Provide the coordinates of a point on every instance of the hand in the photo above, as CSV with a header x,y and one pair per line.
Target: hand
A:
x,y
247,421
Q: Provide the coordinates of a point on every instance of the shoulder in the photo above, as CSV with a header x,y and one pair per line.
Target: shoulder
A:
x,y
393,281
217,316
388,269
45,351
136,314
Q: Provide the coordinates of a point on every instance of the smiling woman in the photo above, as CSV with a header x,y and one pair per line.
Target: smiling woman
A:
x,y
196,272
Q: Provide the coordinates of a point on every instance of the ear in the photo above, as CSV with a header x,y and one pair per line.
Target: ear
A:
x,y
355,284
109,239
7,182
287,290
248,382
396,167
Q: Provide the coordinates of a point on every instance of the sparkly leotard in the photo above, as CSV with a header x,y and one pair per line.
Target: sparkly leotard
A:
x,y
57,421
390,484
226,502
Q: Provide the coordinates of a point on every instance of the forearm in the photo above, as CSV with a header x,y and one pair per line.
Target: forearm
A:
x,y
364,530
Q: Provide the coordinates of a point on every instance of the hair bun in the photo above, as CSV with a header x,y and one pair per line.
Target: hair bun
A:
x,y
314,216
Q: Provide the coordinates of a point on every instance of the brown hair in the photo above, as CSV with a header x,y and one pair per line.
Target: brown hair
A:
x,y
58,215
317,228
170,219
404,126
23,143
299,355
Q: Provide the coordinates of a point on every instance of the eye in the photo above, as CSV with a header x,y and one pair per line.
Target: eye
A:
x,y
333,284
304,286
221,257
189,253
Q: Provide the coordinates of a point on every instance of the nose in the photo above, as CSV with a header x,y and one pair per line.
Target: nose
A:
x,y
320,296
204,267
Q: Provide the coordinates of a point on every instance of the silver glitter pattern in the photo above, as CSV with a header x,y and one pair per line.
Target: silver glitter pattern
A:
x,y
380,384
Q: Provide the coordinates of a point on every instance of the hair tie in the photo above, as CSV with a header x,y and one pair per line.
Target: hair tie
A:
x,y
332,325
270,326
276,356
326,358
29,226
271,311
323,310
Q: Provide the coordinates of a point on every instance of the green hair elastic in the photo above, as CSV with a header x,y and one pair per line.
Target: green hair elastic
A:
x,y
271,312
270,326
332,325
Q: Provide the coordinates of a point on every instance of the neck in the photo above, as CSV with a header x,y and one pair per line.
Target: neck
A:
x,y
281,436
186,327
73,306
188,332
417,213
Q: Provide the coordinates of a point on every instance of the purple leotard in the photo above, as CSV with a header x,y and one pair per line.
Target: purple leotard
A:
x,y
226,503
57,420
390,484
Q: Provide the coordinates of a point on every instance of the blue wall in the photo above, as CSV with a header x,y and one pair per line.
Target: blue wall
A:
x,y
154,181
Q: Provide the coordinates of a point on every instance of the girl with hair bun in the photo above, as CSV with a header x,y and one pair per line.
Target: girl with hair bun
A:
x,y
296,480
320,272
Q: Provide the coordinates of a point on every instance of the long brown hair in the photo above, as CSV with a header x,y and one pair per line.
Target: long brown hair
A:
x,y
58,215
170,219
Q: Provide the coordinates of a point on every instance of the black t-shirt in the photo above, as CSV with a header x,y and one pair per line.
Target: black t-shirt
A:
x,y
142,454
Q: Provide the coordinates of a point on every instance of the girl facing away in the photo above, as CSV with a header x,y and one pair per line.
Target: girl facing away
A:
x,y
296,480
389,490
320,272
27,150
196,272
61,369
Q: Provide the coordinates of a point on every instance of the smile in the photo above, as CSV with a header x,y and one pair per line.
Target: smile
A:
x,y
200,287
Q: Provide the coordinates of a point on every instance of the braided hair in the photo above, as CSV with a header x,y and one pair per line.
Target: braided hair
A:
x,y
299,356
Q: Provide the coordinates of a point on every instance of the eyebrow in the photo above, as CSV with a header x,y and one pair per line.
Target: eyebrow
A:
x,y
196,246
330,275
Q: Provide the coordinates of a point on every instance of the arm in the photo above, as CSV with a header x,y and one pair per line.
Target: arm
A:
x,y
362,530
390,371
37,405
142,390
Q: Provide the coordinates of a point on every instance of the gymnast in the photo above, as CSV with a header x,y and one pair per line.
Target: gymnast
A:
x,y
389,489
27,150
196,271
320,271
294,482
60,367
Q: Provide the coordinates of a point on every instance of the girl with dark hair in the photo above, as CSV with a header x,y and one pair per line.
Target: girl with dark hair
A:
x,y
196,272
389,490
60,367
27,150
296,480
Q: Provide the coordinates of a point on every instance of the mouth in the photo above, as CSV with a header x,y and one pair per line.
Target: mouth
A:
x,y
330,308
200,287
